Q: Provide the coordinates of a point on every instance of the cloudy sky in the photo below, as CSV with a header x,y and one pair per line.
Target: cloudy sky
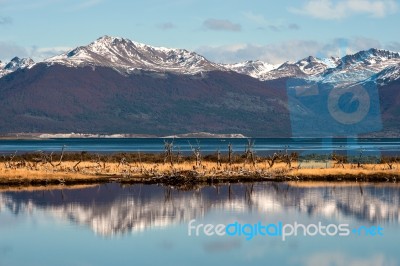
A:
x,y
221,30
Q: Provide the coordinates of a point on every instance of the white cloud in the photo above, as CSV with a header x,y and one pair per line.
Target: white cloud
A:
x,y
9,50
41,53
277,53
329,9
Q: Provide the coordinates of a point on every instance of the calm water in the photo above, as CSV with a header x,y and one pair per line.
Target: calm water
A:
x,y
112,224
368,145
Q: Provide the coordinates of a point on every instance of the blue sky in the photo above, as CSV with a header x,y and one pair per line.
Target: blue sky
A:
x,y
223,31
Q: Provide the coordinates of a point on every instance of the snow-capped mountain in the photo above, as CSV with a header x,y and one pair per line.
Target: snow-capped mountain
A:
x,y
126,55
15,64
387,75
360,66
256,69
19,63
314,66
287,69
309,66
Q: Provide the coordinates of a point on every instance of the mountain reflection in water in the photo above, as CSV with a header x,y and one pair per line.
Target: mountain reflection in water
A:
x,y
111,209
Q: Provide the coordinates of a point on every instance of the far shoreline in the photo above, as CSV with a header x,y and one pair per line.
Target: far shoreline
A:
x,y
194,135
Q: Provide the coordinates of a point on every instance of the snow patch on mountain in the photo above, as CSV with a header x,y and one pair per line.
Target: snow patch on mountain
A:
x,y
306,67
256,69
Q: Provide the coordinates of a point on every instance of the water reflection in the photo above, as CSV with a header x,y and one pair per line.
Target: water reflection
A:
x,y
111,209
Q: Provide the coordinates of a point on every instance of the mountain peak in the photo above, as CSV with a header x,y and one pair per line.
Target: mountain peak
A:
x,y
375,51
372,55
110,39
113,41
15,59
15,64
314,66
19,63
310,59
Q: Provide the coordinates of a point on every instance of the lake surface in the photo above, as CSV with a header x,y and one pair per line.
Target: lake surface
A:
x,y
111,224
261,145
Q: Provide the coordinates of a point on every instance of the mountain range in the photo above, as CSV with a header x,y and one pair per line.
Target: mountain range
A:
x,y
115,85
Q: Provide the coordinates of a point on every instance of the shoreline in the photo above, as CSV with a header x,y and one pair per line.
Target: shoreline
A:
x,y
38,186
64,168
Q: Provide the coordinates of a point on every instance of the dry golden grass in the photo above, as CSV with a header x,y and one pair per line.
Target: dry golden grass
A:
x,y
352,169
89,170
